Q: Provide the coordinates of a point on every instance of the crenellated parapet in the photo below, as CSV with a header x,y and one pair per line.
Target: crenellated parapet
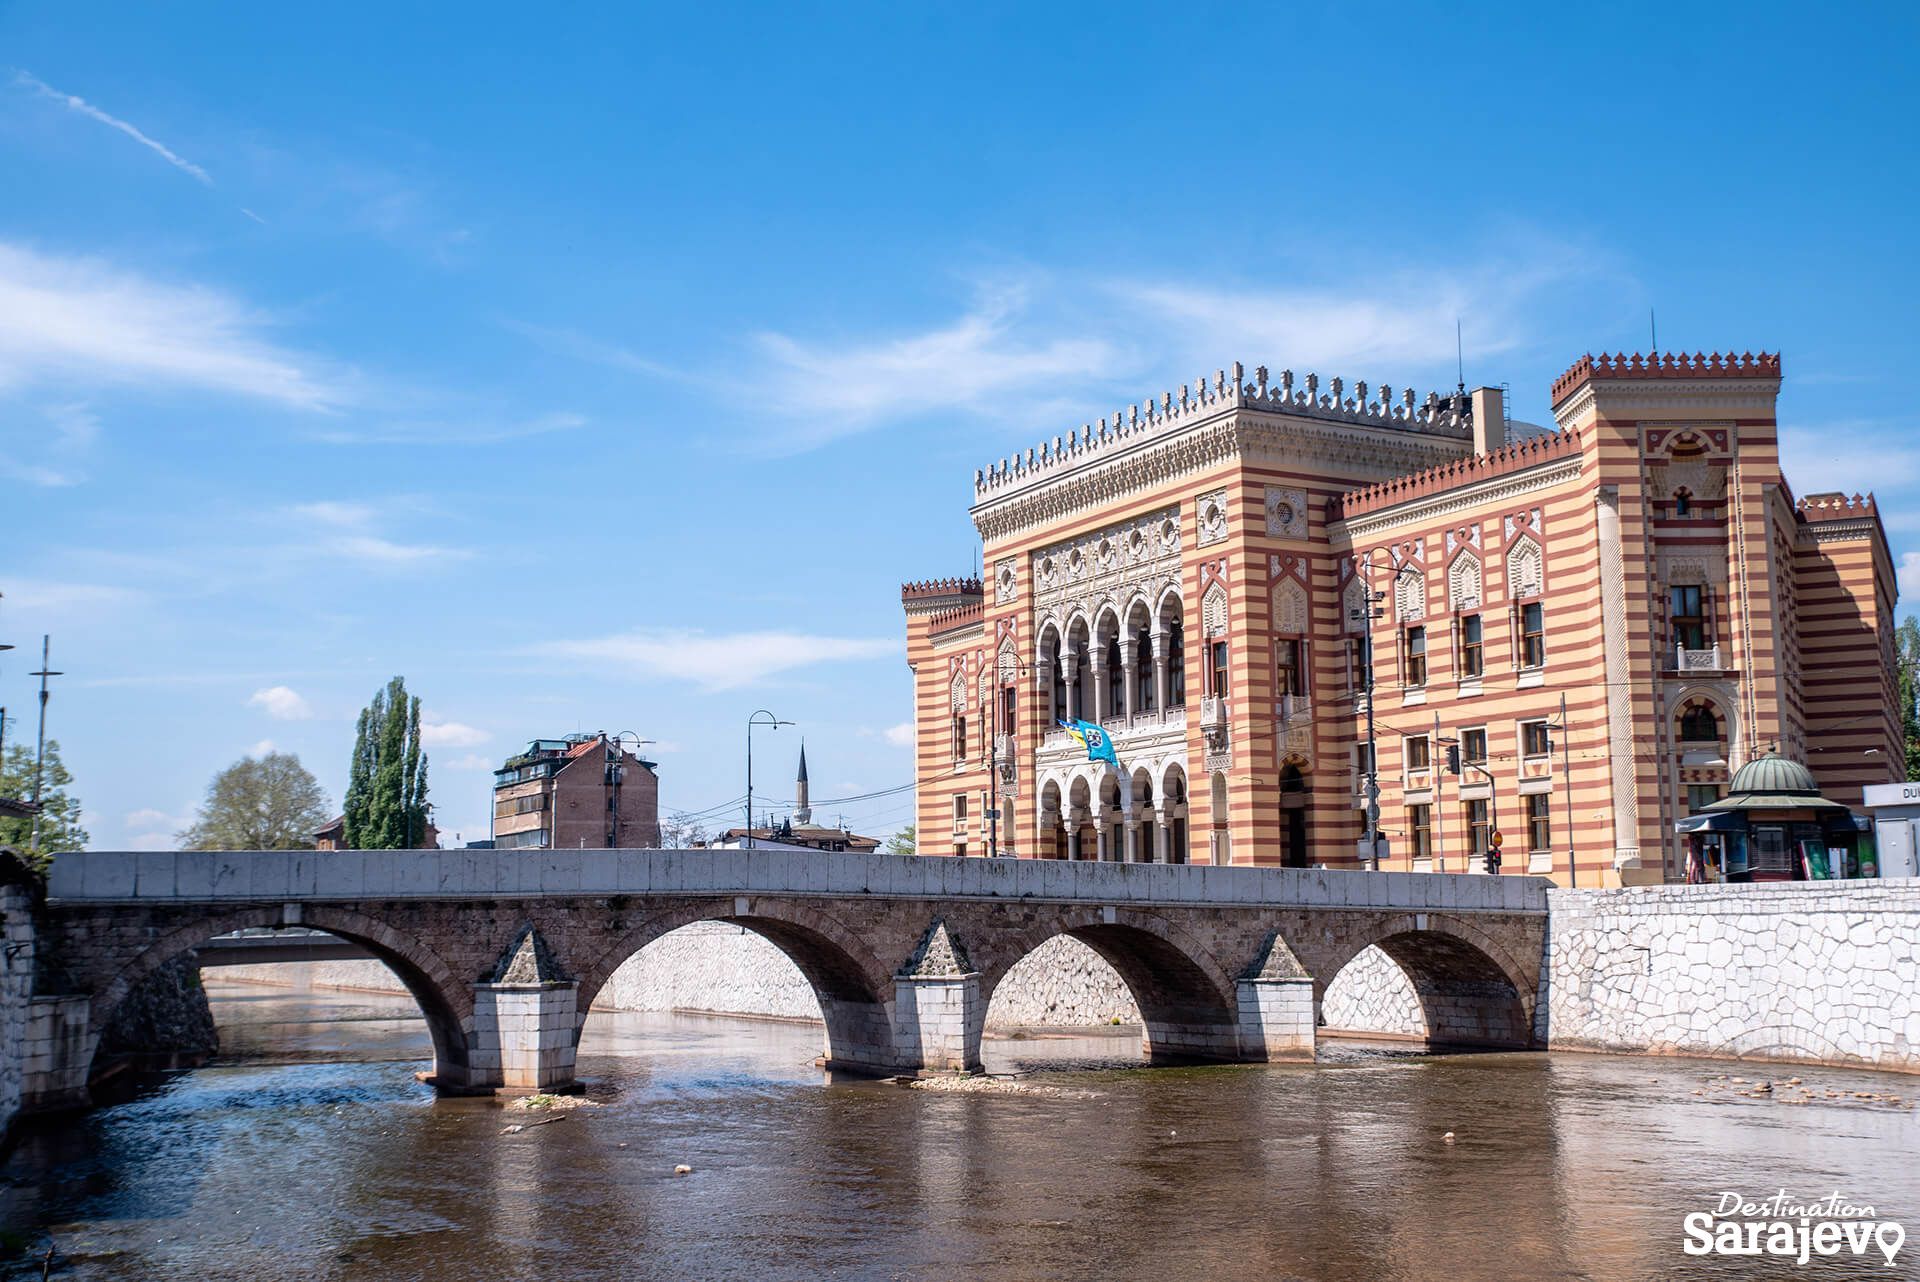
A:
x,y
961,616
1664,365
1836,507
1361,405
938,596
1521,454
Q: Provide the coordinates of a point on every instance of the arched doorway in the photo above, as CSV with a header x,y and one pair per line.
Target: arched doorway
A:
x,y
1294,795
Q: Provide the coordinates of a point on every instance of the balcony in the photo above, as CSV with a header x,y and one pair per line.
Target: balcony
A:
x,y
1213,713
1685,660
1142,733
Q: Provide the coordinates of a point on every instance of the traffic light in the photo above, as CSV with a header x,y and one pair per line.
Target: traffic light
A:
x,y
1453,758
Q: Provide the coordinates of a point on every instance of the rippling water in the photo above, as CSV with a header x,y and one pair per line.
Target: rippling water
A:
x,y
340,1165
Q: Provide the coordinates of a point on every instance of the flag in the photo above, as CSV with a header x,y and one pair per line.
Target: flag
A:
x,y
1095,740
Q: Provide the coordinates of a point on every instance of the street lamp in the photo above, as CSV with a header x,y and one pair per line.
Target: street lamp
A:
x,y
752,721
615,776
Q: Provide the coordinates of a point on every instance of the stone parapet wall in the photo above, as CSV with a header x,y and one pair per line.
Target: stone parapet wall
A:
x,y
16,995
1814,971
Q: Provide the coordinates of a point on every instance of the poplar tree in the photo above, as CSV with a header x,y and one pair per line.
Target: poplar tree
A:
x,y
386,802
1906,662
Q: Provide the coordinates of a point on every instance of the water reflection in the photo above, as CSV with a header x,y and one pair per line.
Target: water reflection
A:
x,y
1563,1166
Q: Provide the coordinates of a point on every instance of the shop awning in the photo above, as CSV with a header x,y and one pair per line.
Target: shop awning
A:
x,y
1713,821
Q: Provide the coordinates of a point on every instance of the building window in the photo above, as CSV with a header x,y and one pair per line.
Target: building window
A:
x,y
1416,649
1362,763
1176,666
1533,739
1701,795
1699,725
1479,825
1473,746
959,737
1471,650
1217,682
1359,658
1533,635
1293,680
1008,704
1419,752
1420,830
1682,503
960,813
1686,611
519,840
1539,825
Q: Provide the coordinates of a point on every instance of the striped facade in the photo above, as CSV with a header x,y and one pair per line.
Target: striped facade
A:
x,y
1603,621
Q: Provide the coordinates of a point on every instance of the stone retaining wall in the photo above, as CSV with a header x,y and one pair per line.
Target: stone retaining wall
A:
x,y
16,995
1816,971
1371,994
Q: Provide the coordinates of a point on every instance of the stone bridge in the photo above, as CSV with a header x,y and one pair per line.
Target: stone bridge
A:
x,y
506,950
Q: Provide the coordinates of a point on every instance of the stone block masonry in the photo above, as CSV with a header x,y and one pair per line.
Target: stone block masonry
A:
x,y
16,996
1823,972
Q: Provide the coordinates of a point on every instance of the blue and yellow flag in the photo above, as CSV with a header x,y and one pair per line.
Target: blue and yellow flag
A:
x,y
1098,744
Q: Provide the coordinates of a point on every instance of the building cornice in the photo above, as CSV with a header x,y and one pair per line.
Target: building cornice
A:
x,y
1513,485
1205,443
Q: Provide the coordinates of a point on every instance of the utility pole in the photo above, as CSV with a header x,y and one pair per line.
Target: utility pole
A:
x,y
40,749
1566,781
755,720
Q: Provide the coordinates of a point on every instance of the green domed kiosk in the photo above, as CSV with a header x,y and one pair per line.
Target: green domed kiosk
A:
x,y
1773,825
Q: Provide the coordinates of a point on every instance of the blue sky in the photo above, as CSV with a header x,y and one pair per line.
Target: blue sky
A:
x,y
609,370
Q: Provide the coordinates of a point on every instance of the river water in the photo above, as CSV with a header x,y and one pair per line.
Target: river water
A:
x,y
311,1152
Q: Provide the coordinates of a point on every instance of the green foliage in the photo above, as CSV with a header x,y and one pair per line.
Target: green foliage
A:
x,y
1906,660
904,842
60,829
386,803
269,803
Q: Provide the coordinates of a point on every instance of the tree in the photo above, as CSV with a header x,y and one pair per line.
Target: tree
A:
x,y
904,842
386,803
265,803
60,829
679,831
1906,662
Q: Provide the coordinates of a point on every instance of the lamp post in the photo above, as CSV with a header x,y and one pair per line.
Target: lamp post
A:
x,y
615,776
1566,781
993,755
752,721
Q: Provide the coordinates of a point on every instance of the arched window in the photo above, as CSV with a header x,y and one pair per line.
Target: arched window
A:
x,y
1463,583
1526,576
1410,594
1699,725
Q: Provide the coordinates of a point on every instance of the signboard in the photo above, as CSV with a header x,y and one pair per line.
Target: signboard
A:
x,y
1495,839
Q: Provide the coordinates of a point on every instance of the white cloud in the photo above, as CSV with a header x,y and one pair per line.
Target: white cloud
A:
x,y
353,538
68,601
466,761
464,431
333,512
150,818
970,364
1908,575
451,734
261,748
372,550
82,319
1852,456
57,444
92,112
281,703
900,736
724,662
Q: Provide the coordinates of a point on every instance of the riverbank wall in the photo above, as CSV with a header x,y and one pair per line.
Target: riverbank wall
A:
x,y
1820,972
16,996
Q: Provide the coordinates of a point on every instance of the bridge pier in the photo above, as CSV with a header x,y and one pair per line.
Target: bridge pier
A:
x,y
939,1012
523,1039
937,1022
1276,1018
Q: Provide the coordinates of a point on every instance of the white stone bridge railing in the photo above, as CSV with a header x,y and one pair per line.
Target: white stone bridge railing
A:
x,y
252,876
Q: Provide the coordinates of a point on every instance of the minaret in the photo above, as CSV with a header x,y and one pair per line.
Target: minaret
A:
x,y
802,812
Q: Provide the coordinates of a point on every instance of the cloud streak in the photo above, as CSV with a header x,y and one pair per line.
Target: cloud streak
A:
x,y
717,662
75,103
282,703
83,319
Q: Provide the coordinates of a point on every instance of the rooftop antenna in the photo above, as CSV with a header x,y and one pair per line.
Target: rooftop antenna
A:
x,y
1653,331
1459,356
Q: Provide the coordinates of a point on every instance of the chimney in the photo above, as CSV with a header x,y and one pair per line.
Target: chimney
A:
x,y
1489,419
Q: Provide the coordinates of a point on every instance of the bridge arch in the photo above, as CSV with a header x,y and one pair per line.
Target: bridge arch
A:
x,y
1185,996
445,1002
1470,988
853,987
